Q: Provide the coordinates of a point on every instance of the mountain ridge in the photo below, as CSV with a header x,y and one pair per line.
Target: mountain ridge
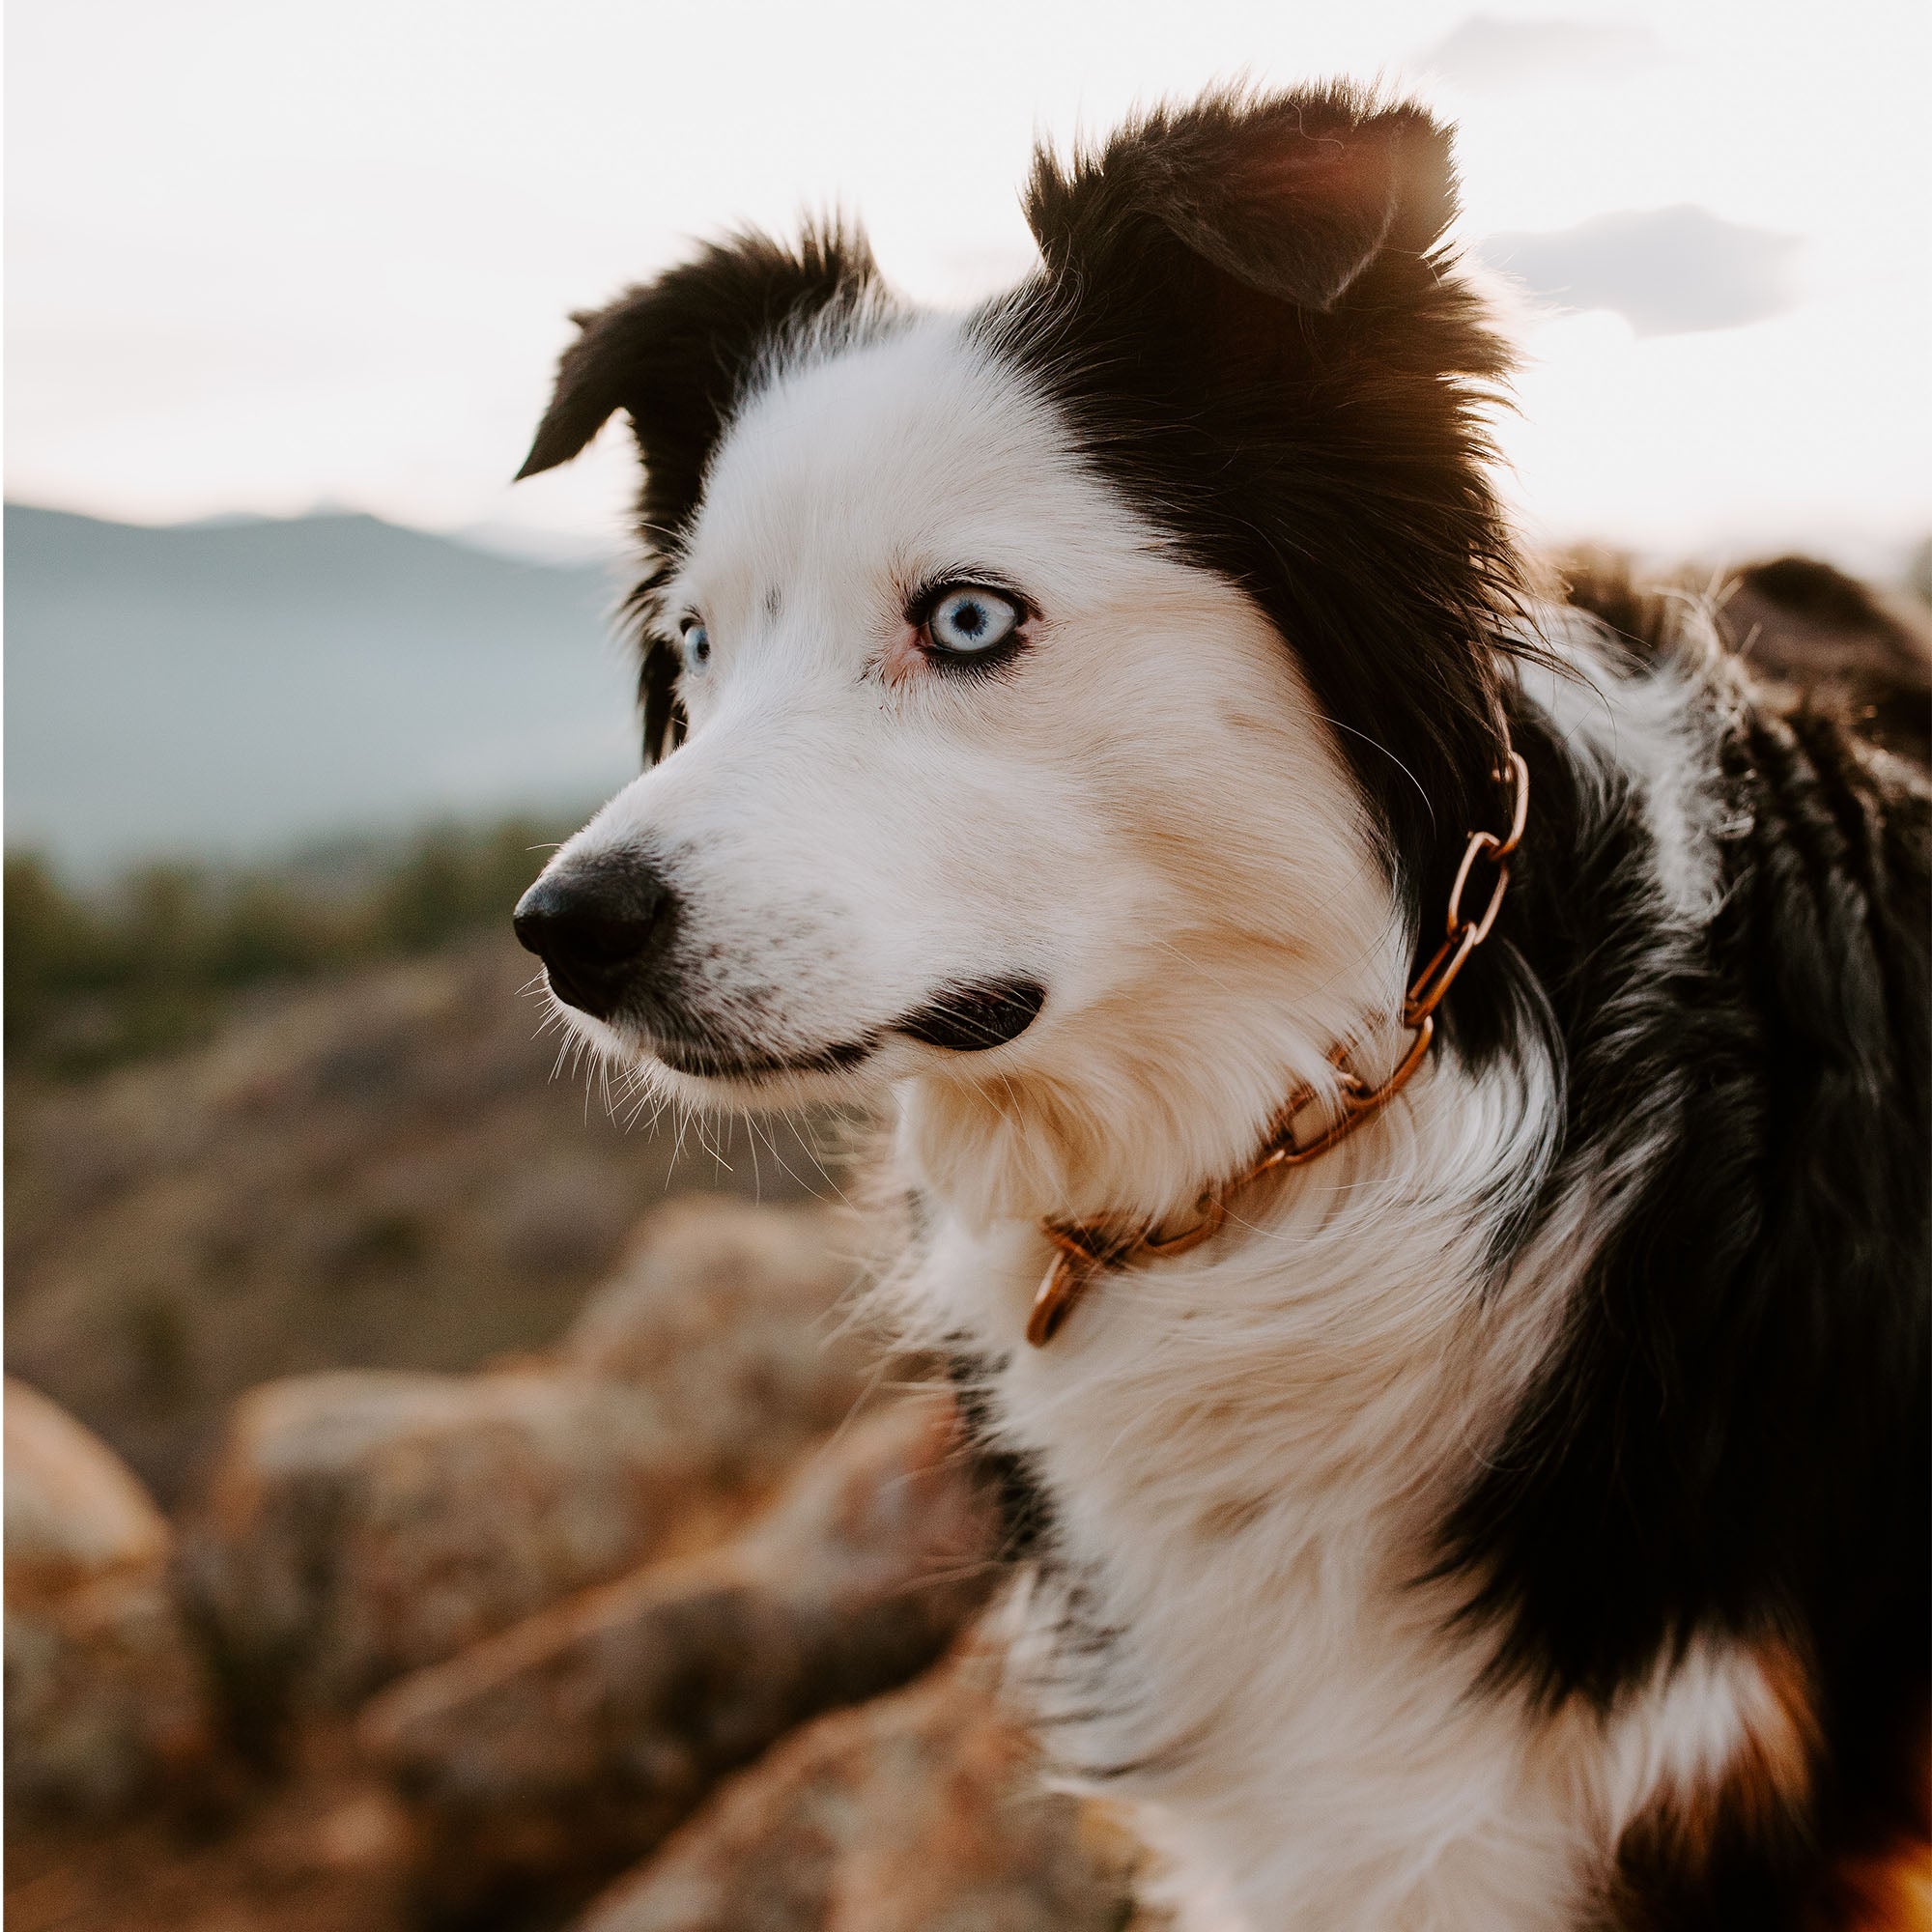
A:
x,y
229,689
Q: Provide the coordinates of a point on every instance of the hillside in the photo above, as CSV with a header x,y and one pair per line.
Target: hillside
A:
x,y
229,689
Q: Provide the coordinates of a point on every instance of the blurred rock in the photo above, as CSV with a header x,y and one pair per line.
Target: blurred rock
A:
x,y
730,1315
578,1740
919,1812
105,1696
360,1525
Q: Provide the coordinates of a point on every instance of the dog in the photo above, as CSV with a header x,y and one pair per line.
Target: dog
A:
x,y
1412,1102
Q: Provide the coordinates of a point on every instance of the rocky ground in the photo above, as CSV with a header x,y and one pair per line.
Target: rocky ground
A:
x,y
404,1532
576,1641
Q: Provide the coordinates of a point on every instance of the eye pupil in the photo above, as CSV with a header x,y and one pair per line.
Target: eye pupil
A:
x,y
696,641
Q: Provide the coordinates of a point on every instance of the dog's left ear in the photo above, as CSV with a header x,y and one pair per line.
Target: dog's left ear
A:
x,y
1293,196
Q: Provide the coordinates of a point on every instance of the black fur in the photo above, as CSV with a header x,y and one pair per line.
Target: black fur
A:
x,y
1802,625
1736,1436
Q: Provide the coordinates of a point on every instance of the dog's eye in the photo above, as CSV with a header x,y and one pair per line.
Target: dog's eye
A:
x,y
696,642
968,620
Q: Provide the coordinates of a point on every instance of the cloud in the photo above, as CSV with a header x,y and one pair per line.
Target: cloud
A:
x,y
1666,271
1486,51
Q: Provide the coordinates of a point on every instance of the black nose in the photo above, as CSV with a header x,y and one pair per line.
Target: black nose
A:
x,y
600,928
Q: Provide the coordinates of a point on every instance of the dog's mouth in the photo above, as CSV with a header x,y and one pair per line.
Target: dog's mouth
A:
x,y
960,1019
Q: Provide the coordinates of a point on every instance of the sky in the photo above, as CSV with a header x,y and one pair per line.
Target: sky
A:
x,y
267,257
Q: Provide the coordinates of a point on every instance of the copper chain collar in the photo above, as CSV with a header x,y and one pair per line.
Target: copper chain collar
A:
x,y
1084,1249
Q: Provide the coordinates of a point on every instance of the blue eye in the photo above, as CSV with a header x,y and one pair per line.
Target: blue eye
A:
x,y
969,620
696,642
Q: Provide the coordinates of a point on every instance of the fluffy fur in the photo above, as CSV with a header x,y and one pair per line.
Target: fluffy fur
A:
x,y
1517,1518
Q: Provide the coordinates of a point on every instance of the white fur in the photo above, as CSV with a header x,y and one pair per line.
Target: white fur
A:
x,y
1247,1448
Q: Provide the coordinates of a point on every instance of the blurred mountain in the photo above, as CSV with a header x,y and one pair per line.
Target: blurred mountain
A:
x,y
227,689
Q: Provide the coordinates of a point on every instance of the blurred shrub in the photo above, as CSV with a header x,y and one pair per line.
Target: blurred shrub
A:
x,y
93,978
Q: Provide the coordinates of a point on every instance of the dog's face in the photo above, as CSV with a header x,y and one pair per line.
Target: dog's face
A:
x,y
996,766
969,755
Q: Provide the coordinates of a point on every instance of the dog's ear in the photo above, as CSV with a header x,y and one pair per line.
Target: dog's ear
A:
x,y
676,354
1293,196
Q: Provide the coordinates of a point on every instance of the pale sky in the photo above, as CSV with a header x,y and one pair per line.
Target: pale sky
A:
x,y
263,256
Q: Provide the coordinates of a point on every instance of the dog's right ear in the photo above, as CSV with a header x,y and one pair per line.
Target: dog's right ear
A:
x,y
1293,197
676,354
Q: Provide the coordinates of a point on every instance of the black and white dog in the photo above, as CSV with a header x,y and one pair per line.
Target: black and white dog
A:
x,y
1098,722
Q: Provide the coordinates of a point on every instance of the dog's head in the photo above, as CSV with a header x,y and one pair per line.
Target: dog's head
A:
x,y
1071,701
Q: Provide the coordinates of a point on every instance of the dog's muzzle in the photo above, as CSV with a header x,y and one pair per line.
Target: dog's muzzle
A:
x,y
605,928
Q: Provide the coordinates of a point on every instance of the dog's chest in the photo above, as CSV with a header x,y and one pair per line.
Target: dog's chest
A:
x,y
1228,1473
